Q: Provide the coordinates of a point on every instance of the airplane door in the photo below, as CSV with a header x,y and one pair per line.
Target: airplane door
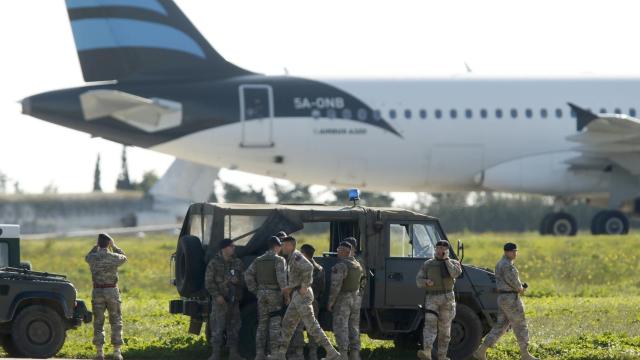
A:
x,y
256,115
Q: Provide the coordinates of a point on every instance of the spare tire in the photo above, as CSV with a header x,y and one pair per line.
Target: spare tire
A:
x,y
190,266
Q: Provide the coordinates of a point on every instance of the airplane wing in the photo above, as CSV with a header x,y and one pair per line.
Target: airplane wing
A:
x,y
150,115
606,139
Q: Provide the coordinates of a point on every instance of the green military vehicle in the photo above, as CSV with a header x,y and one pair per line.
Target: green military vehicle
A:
x,y
36,308
393,242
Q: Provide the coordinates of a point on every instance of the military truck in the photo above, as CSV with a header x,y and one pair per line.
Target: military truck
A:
x,y
36,308
393,244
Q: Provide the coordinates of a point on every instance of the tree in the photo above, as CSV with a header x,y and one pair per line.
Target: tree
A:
x,y
299,194
51,188
149,178
16,188
3,183
124,183
96,176
234,194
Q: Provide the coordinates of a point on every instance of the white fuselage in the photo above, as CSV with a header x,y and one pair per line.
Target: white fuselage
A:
x,y
460,151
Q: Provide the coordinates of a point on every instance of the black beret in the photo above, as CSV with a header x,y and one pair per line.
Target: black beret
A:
x,y
353,241
510,247
281,234
288,238
345,244
442,243
308,249
274,240
224,243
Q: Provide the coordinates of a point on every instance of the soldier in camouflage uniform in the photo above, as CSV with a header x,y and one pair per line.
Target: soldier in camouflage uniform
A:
x,y
510,288
299,296
104,272
343,302
437,276
317,286
354,323
224,281
266,277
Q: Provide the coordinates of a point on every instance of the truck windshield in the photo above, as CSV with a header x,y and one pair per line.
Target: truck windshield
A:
x,y
425,237
4,254
413,240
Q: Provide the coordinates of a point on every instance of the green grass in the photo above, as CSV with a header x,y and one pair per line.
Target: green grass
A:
x,y
584,303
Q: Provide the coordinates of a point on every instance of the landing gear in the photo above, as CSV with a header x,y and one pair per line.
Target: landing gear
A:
x,y
610,222
559,224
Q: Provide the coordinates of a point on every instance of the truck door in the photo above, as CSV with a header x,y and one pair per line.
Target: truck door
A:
x,y
409,245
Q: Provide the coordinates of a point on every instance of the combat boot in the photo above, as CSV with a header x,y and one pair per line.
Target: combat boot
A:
x,y
99,354
234,354
524,353
424,354
332,353
354,355
481,353
117,354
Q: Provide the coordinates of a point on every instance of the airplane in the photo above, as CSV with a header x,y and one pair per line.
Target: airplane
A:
x,y
155,82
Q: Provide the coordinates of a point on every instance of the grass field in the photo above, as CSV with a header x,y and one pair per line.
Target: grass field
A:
x,y
584,301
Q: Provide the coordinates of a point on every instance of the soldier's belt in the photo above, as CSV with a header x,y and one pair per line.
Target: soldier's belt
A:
x,y
104,286
439,292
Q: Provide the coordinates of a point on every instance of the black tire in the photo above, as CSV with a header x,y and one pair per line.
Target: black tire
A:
x,y
611,222
38,332
595,223
562,224
8,346
466,333
249,315
190,266
544,224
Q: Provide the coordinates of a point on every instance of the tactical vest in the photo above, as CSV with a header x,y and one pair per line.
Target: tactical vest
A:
x,y
266,271
354,273
442,281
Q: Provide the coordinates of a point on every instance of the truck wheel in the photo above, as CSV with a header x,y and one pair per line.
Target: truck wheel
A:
x,y
38,331
466,333
249,315
190,266
8,346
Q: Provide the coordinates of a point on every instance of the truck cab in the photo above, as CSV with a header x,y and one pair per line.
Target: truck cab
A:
x,y
393,244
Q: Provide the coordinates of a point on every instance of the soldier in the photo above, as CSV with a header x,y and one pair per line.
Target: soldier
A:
x,y
354,323
104,273
317,286
266,277
511,309
438,276
223,280
343,302
299,296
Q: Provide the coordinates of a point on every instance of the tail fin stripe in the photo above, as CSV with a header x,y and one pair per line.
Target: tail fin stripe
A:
x,y
152,5
105,33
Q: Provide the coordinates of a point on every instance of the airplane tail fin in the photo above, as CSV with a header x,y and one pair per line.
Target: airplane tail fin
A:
x,y
142,40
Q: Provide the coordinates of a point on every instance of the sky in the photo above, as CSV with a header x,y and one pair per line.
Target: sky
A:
x,y
314,39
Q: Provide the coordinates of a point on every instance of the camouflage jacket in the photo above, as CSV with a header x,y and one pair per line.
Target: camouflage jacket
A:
x,y
365,277
318,284
224,278
339,273
299,271
251,275
104,264
507,277
453,267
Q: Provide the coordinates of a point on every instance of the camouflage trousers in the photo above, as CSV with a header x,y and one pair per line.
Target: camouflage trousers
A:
x,y
510,313
106,299
296,347
301,309
269,301
346,321
225,317
438,325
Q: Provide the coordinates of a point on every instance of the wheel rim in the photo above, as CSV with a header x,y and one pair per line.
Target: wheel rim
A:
x,y
562,227
614,226
39,332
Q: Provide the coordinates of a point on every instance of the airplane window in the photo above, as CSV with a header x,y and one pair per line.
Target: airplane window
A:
x,y
346,113
453,113
315,113
528,113
376,115
423,114
362,114
438,114
331,113
617,111
558,113
407,114
483,113
498,113
632,112
392,114
603,110
543,113
468,113
514,113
